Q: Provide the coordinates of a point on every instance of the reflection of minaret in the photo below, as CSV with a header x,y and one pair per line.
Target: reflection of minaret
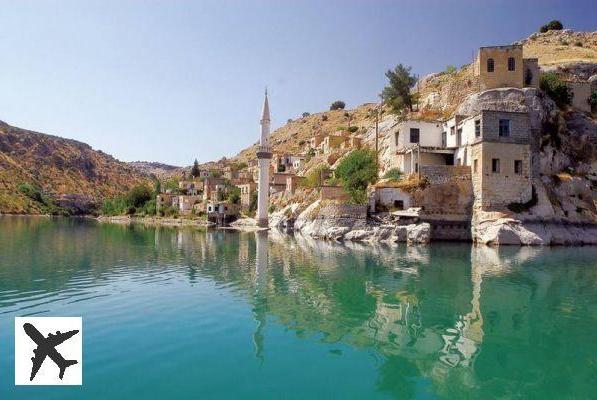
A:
x,y
260,307
264,155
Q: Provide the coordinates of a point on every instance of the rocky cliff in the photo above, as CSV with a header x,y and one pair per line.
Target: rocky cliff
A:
x,y
38,171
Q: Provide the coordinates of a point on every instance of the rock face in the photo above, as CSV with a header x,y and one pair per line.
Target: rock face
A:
x,y
333,221
508,231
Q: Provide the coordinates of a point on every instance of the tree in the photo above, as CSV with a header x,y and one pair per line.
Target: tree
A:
x,y
139,195
593,101
554,25
356,171
556,89
234,195
306,114
337,105
195,171
397,94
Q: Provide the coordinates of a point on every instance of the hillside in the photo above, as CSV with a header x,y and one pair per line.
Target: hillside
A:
x,y
64,172
440,93
157,169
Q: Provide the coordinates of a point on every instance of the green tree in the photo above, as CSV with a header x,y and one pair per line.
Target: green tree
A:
x,y
356,171
554,25
139,195
195,171
337,105
234,195
556,89
397,94
315,178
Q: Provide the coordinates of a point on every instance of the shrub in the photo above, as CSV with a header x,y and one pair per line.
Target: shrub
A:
x,y
353,129
289,120
450,69
324,117
271,208
234,195
139,195
253,202
556,89
393,174
305,114
356,171
31,191
554,25
149,208
337,105
314,178
578,44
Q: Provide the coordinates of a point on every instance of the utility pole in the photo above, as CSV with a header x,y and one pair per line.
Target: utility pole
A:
x,y
377,114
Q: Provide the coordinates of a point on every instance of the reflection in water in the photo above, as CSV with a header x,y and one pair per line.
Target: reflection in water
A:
x,y
447,320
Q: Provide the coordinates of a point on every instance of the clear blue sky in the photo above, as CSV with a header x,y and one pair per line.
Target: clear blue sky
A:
x,y
172,81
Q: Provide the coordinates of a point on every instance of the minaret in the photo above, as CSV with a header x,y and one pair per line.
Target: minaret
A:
x,y
264,155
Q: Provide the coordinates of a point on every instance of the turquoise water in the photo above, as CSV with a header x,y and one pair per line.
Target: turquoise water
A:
x,y
175,313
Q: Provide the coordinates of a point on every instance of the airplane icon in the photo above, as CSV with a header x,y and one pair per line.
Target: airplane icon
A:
x,y
46,347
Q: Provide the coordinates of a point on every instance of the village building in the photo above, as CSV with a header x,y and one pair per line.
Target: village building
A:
x,y
190,187
278,182
211,185
292,183
495,145
504,66
246,192
222,212
186,203
316,140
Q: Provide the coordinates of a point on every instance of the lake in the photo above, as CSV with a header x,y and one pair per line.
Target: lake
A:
x,y
189,313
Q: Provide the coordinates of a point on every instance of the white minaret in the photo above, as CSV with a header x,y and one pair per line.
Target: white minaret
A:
x,y
264,155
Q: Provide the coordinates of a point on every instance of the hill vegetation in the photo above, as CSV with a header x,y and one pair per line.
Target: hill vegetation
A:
x,y
45,174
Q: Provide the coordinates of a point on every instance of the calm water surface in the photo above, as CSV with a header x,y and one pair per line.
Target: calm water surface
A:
x,y
171,313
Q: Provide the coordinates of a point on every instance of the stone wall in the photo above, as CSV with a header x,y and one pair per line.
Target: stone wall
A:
x,y
339,210
333,193
520,127
581,91
448,193
495,190
440,174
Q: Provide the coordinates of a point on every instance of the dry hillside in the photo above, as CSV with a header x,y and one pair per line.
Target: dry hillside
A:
x,y
440,93
70,172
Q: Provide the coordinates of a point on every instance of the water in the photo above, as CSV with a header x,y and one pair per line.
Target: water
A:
x,y
183,313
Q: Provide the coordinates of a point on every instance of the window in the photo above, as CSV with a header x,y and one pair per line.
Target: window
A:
x,y
451,130
396,135
475,165
518,167
495,165
490,65
504,127
444,139
511,64
459,137
477,127
399,204
414,135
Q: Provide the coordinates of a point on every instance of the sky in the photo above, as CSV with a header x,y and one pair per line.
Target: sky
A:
x,y
171,81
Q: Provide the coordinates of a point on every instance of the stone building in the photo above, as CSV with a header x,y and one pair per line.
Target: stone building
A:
x,y
190,187
501,159
246,191
504,66
494,144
